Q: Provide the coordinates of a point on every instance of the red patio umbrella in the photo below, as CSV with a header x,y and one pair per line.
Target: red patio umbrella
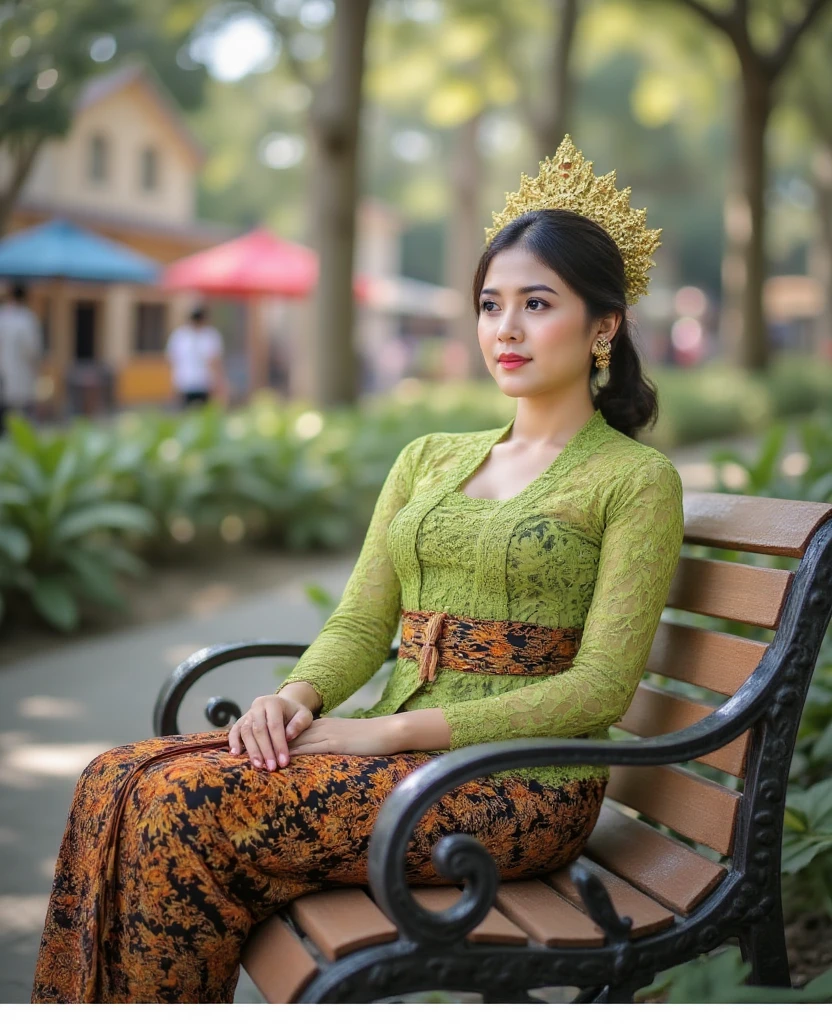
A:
x,y
257,263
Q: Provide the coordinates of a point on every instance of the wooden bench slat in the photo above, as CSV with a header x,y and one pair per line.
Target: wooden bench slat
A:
x,y
742,522
659,865
277,961
341,920
715,661
730,590
495,927
694,806
647,915
545,916
654,712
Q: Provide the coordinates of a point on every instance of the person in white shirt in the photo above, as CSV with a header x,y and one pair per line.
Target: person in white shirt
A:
x,y
21,349
194,351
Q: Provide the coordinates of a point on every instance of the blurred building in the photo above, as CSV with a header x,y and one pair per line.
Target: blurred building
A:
x,y
127,169
793,305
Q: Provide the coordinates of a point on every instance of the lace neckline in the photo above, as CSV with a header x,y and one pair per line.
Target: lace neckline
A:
x,y
592,430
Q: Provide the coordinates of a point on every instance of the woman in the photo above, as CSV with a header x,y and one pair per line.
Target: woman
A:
x,y
529,566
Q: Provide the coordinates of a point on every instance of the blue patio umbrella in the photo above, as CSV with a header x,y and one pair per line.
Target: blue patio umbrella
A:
x,y
60,248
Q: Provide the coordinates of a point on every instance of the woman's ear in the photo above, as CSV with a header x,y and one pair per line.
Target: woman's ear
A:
x,y
608,325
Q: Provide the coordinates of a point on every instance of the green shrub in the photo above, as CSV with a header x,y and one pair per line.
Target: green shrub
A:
x,y
61,528
721,978
284,473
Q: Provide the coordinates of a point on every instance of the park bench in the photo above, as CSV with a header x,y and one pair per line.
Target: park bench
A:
x,y
678,864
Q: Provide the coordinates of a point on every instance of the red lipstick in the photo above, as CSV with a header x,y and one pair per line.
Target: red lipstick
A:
x,y
511,362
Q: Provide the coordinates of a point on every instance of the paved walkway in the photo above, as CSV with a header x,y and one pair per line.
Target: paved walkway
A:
x,y
62,708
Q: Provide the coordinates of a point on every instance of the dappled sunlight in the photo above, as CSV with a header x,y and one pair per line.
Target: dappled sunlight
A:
x,y
212,598
795,464
49,707
23,915
46,868
705,476
23,763
697,476
175,655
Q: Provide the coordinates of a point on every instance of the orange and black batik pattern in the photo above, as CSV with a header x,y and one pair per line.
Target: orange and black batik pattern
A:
x,y
175,848
464,644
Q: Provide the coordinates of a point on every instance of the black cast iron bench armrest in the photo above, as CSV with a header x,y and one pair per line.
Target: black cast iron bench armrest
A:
x,y
219,710
463,858
767,693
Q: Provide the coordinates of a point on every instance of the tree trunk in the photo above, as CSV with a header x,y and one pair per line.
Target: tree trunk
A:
x,y
744,329
23,159
465,238
555,113
334,130
821,255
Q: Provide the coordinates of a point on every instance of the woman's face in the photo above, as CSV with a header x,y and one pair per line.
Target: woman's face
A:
x,y
526,309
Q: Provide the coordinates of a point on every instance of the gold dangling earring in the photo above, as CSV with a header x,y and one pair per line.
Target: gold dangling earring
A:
x,y
602,361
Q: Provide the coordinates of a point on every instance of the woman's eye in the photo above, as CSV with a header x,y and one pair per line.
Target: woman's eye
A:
x,y
488,302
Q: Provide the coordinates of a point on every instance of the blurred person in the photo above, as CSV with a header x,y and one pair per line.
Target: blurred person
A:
x,y
529,566
21,349
194,351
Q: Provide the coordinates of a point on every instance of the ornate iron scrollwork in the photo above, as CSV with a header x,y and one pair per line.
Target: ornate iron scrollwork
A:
x,y
220,711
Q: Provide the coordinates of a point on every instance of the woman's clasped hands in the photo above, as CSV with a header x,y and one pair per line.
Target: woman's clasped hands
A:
x,y
279,725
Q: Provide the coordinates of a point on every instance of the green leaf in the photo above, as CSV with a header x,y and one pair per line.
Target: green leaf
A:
x,y
800,851
66,468
822,748
110,516
15,543
819,990
56,604
124,561
29,473
94,577
23,435
795,820
769,453
719,978
13,494
320,597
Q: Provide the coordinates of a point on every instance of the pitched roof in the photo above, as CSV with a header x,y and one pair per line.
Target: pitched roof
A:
x,y
136,73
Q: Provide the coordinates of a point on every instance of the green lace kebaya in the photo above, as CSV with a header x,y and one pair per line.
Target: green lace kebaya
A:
x,y
593,542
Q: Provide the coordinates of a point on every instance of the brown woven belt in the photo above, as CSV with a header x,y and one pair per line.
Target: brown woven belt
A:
x,y
440,640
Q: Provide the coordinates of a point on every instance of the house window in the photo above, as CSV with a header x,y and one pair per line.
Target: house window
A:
x,y
150,169
99,158
150,327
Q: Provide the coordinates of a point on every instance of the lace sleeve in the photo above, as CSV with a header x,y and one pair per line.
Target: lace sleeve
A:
x,y
640,549
355,640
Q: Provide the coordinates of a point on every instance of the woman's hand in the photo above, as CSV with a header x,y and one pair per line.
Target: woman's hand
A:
x,y
350,736
266,728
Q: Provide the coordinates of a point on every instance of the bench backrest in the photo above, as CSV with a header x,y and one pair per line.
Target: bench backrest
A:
x,y
700,808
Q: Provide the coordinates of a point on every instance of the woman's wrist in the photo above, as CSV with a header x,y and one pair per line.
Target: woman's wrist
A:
x,y
426,729
304,693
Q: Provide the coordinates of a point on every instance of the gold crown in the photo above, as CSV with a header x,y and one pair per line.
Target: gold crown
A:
x,y
566,182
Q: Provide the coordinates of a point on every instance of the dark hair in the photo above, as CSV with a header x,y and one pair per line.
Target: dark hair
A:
x,y
584,255
198,313
19,291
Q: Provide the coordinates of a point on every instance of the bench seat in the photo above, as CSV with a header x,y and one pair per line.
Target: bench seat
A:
x,y
651,878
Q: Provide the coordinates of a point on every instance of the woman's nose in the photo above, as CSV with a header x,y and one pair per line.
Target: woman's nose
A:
x,y
509,330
